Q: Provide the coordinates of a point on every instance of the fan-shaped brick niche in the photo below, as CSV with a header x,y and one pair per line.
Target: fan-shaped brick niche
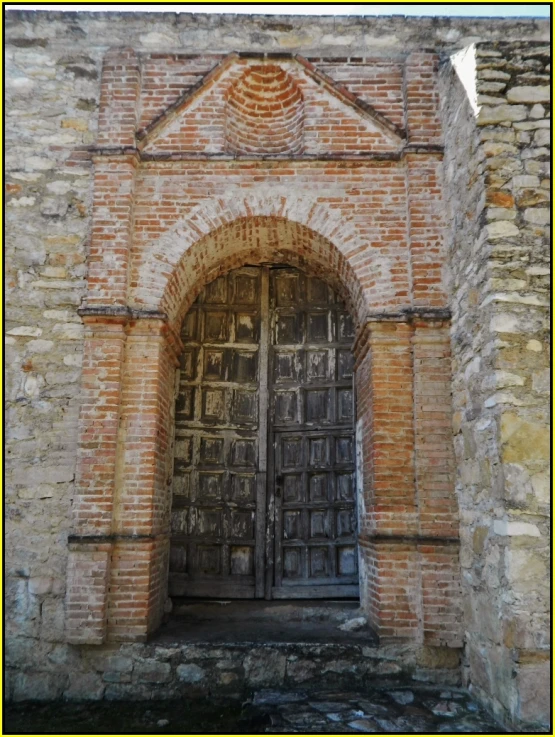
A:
x,y
265,112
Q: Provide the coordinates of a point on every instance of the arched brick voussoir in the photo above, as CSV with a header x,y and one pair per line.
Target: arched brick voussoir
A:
x,y
272,225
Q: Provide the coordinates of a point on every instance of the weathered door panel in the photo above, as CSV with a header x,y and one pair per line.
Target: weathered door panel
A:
x,y
217,486
312,433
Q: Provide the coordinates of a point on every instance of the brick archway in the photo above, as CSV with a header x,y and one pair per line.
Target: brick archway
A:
x,y
197,245
117,577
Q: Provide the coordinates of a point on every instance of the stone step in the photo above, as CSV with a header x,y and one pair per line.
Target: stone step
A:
x,y
167,667
231,649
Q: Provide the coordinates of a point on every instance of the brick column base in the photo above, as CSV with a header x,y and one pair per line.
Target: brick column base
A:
x,y
393,588
137,588
87,581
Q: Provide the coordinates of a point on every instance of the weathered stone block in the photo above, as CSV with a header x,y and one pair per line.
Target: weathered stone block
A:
x,y
541,484
52,620
128,692
190,673
227,678
300,671
84,687
526,570
529,94
40,585
54,206
537,215
120,664
478,662
542,137
512,529
502,229
522,440
25,330
489,115
116,677
39,686
151,671
439,657
265,667
533,687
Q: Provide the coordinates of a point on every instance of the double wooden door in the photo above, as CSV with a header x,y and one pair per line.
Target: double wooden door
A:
x,y
264,501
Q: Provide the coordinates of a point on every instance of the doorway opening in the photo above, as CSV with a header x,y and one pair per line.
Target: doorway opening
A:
x,y
264,493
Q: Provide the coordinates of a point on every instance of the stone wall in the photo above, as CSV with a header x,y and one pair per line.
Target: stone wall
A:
x,y
52,98
497,175
328,36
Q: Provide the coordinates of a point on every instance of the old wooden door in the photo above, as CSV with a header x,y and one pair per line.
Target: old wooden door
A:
x,y
311,426
264,490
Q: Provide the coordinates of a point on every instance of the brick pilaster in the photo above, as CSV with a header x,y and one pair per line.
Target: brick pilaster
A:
x,y
89,558
422,98
138,576
98,425
88,573
385,411
385,434
119,98
434,453
146,429
408,526
119,545
112,227
442,610
426,229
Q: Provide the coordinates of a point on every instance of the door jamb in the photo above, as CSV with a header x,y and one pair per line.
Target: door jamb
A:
x,y
263,415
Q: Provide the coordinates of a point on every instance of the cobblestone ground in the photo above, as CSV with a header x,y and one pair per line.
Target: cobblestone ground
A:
x,y
378,711
399,710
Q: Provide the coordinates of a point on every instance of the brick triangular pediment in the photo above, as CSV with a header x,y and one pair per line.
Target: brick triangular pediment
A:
x,y
219,113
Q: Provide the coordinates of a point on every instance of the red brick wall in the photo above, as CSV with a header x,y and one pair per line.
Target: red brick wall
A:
x,y
343,198
166,78
119,98
376,81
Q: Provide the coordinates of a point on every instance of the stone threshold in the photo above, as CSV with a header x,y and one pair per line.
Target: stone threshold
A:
x,y
266,622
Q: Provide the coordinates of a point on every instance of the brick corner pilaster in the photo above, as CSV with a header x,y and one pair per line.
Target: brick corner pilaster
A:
x,y
87,581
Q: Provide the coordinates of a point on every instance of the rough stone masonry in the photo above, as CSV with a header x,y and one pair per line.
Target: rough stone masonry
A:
x,y
140,166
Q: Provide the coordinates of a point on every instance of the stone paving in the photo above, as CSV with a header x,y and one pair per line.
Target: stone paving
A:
x,y
377,711
380,710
